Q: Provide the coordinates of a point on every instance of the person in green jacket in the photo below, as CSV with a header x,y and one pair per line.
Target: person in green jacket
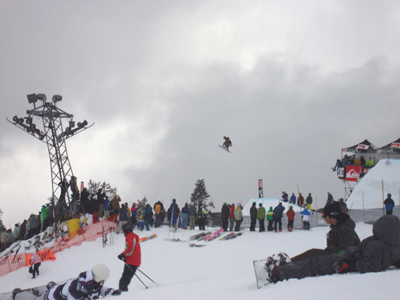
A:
x,y
270,218
45,217
261,217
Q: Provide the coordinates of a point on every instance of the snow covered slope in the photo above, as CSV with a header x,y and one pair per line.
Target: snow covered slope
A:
x,y
370,186
220,270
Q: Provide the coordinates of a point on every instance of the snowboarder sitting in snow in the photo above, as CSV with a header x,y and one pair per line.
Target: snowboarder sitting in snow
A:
x,y
341,235
227,143
88,283
374,254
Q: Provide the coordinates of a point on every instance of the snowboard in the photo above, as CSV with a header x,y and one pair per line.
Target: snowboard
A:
x,y
224,149
261,272
146,238
213,235
34,293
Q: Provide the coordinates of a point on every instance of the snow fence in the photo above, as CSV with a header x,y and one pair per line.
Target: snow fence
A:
x,y
86,234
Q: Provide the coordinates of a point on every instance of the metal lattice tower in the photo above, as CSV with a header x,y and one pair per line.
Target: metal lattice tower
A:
x,y
54,136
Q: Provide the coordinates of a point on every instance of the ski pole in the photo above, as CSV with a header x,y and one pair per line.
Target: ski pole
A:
x,y
141,281
147,276
135,274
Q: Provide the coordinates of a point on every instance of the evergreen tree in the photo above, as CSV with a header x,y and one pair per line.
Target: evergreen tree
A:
x,y
141,205
93,187
200,196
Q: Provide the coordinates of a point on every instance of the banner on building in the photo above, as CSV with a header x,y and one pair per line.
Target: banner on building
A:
x,y
353,173
341,172
260,189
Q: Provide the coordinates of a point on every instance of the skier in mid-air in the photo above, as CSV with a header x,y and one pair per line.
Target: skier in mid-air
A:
x,y
227,143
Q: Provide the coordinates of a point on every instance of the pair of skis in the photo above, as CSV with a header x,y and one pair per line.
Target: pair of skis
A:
x,y
231,236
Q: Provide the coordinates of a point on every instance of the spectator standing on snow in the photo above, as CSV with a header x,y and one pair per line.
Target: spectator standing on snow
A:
x,y
270,219
293,199
225,216
309,201
300,200
123,218
290,214
261,217
238,217
192,216
148,216
185,216
158,207
231,216
305,216
389,204
201,214
285,197
106,205
253,217
16,232
278,214
173,213
35,263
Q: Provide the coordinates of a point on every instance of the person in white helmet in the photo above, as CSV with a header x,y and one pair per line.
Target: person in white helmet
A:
x,y
87,284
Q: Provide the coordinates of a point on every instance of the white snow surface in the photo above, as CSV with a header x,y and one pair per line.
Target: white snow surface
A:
x,y
370,187
220,270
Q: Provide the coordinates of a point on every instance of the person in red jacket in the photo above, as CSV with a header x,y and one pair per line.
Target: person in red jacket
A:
x,y
131,256
290,216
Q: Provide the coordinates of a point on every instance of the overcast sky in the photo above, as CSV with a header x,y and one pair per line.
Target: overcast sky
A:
x,y
290,82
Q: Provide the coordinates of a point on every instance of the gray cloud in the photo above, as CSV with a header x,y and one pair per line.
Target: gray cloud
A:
x,y
290,83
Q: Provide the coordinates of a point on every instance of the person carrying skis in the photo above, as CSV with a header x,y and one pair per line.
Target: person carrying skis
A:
x,y
227,143
131,256
173,213
87,284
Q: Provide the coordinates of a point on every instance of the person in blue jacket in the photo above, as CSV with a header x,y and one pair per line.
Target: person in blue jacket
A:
x,y
389,204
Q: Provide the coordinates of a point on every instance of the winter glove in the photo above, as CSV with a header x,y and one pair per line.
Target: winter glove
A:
x,y
345,265
121,257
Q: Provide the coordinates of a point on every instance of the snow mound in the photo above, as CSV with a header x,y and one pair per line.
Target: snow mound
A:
x,y
267,203
371,188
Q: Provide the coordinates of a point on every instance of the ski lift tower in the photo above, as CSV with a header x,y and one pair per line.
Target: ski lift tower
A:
x,y
54,136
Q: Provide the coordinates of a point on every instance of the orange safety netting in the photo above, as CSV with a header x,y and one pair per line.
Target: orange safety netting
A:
x,y
86,234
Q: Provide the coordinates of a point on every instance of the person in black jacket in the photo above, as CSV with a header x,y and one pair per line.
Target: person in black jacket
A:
x,y
253,217
389,204
374,254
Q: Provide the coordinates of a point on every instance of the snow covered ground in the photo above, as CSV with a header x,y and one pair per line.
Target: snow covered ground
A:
x,y
220,270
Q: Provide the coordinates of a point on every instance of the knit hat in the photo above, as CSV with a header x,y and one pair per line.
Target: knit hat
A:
x,y
332,210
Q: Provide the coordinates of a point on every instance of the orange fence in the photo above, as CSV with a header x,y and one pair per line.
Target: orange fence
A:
x,y
86,234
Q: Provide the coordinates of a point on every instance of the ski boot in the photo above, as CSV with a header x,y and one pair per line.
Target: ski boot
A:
x,y
272,270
